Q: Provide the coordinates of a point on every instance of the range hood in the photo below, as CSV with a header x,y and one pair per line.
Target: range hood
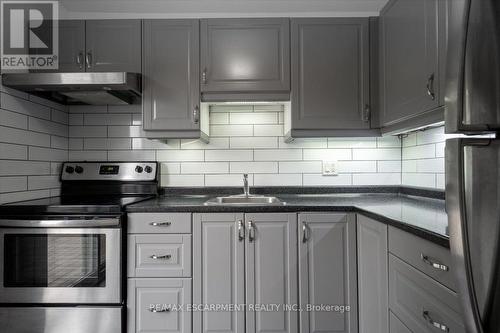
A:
x,y
109,88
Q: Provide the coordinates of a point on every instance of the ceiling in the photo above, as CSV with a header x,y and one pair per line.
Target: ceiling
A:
x,y
98,9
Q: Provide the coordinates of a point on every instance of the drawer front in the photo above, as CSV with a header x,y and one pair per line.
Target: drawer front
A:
x,y
155,223
420,302
432,259
396,326
159,256
154,306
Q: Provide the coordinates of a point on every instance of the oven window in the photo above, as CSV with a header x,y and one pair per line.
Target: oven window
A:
x,y
55,260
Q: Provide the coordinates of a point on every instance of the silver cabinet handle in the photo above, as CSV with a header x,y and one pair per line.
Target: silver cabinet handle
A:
x,y
154,310
241,231
430,87
439,326
161,224
305,234
161,257
434,264
88,59
251,231
79,59
204,76
196,114
366,114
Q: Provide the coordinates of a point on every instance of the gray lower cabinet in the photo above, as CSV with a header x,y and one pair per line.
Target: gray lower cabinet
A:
x,y
159,306
327,271
372,276
413,46
245,259
330,77
241,56
171,85
396,326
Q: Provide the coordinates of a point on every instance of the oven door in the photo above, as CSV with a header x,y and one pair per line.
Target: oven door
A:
x,y
63,265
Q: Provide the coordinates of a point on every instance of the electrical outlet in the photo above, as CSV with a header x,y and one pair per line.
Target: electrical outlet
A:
x,y
330,168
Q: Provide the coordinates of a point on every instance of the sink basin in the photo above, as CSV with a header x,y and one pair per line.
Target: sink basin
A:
x,y
241,200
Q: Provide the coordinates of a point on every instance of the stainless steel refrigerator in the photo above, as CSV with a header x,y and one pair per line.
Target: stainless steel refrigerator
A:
x,y
472,163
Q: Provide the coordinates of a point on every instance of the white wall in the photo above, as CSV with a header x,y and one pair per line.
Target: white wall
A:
x,y
243,139
33,143
423,159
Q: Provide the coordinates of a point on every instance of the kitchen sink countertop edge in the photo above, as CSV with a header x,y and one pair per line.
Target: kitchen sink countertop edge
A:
x,y
421,212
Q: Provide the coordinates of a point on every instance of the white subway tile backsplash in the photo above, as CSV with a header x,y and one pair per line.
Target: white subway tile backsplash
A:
x,y
352,142
227,180
59,116
131,155
278,155
253,118
419,179
47,154
13,119
170,168
179,155
433,165
229,155
182,180
125,132
356,166
46,126
231,130
379,154
219,118
268,130
143,143
59,142
418,152
75,144
87,155
24,195
328,154
19,168
376,179
253,167
75,119
42,182
19,105
215,143
107,119
440,148
13,152
277,179
253,142
23,137
319,180
204,167
13,184
87,131
131,108
106,143
86,109
301,167
389,142
389,166
304,143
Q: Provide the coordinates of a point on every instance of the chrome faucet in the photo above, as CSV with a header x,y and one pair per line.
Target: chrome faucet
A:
x,y
246,189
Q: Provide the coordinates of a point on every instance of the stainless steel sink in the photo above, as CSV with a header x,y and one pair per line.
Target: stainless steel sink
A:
x,y
242,200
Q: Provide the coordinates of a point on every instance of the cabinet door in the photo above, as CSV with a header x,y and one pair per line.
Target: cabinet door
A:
x,y
410,73
327,266
372,276
171,75
271,271
154,306
245,55
71,46
113,45
396,326
330,73
218,264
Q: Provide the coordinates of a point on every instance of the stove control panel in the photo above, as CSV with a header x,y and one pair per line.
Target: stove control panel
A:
x,y
122,171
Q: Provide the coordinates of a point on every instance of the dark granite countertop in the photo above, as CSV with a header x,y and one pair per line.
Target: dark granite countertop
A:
x,y
423,216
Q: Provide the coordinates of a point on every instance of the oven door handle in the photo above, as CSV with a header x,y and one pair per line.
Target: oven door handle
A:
x,y
90,223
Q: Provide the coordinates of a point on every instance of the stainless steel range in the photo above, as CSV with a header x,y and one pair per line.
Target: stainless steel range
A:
x,y
62,258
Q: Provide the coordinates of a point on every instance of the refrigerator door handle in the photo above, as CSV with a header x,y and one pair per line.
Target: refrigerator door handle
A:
x,y
455,207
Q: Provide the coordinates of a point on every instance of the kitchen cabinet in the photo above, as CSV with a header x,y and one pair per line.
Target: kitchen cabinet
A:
x,y
71,46
327,271
171,80
372,276
113,45
100,46
330,78
159,275
245,59
248,258
413,49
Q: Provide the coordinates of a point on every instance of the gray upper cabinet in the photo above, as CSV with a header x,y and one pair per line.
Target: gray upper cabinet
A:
x,y
245,55
327,271
412,45
330,76
171,91
71,46
113,45
372,276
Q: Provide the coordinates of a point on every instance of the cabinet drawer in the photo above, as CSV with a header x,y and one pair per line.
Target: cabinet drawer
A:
x,y
155,223
432,259
159,255
420,302
165,296
395,325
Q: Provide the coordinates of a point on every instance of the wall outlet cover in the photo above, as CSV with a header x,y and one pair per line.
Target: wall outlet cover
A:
x,y
330,168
